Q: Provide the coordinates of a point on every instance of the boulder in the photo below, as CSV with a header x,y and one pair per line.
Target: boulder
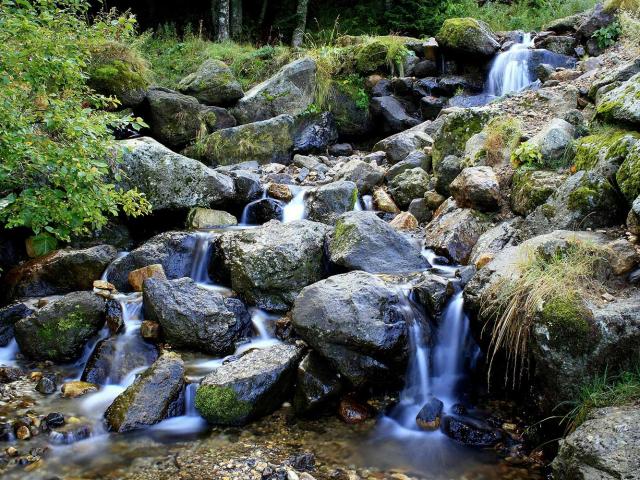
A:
x,y
205,218
553,143
264,141
314,132
532,188
622,103
249,387
350,110
60,330
172,250
392,113
341,149
194,317
398,146
114,357
316,385
454,231
603,447
61,271
327,202
617,75
605,152
417,158
213,83
247,183
477,188
269,265
290,91
446,172
9,315
598,17
154,396
494,240
75,389
263,210
431,106
419,209
362,241
628,175
357,322
177,120
171,181
560,44
469,37
365,175
138,276
408,185
405,220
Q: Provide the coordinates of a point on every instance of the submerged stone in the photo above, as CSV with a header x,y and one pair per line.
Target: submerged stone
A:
x,y
429,416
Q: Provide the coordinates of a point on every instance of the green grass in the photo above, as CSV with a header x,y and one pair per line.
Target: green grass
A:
x,y
605,391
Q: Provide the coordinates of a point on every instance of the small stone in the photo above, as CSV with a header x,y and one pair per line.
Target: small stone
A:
x,y
483,260
77,389
306,476
433,199
352,411
206,218
23,433
137,277
341,150
430,414
404,221
291,475
104,285
624,256
384,202
280,191
46,385
12,451
54,419
150,331
608,297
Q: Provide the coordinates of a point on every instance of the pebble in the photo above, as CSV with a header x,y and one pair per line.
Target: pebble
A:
x,y
12,451
23,433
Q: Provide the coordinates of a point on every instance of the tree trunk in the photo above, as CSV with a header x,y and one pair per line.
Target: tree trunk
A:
x,y
236,19
221,19
263,12
301,23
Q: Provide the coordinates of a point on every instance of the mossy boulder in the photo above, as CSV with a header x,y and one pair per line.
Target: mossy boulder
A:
x,y
605,151
628,175
248,387
494,144
468,36
264,142
60,330
213,84
408,185
206,218
532,188
349,103
621,104
155,395
554,143
327,202
381,54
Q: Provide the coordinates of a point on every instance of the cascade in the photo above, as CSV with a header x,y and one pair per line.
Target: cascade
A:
x,y
510,70
244,218
295,209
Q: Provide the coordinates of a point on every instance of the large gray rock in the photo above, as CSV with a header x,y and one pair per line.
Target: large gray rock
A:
x,y
621,104
263,142
604,447
399,145
362,241
406,186
269,265
249,387
467,36
495,239
60,330
194,317
621,73
327,202
476,187
154,396
171,181
177,120
289,91
357,322
532,188
392,114
314,132
172,250
553,142
213,83
363,174
454,231
61,271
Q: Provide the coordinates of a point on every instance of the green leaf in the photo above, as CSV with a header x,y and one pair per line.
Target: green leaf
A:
x,y
41,244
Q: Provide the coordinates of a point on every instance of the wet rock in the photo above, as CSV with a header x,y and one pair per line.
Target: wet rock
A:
x,y
314,132
363,174
264,210
467,36
58,272
470,432
249,387
60,330
114,315
477,188
290,91
269,265
46,385
430,414
404,221
327,202
398,146
9,315
171,181
446,172
408,185
23,433
154,396
138,276
356,322
205,218
54,420
10,374
247,183
114,357
178,119
77,389
392,114
454,231
432,292
532,188
280,191
560,44
70,433
384,202
604,446
213,83
316,385
362,241
351,411
194,317
266,141
173,250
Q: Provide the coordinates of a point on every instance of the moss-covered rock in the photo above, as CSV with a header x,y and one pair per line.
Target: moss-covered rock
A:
x,y
605,150
386,54
628,176
251,386
408,185
213,83
532,188
60,330
266,141
622,103
570,324
497,140
468,36
348,101
554,143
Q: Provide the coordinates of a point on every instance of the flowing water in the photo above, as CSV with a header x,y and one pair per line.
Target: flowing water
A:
x,y
295,209
510,70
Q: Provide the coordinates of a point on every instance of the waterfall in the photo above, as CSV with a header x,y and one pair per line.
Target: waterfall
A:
x,y
295,209
510,70
244,218
201,257
8,353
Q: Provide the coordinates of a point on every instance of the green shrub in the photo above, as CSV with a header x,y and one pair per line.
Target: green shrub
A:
x,y
607,36
55,137
527,155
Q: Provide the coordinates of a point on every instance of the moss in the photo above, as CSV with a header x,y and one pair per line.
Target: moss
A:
x,y
502,137
354,198
549,211
381,53
115,69
591,196
609,146
457,128
343,236
628,175
455,31
221,405
569,323
530,190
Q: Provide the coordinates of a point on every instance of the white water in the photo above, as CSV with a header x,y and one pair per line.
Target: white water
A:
x,y
201,257
244,218
295,209
8,353
510,70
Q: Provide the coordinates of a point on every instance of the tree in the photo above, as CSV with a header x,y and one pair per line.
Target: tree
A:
x,y
236,19
220,10
301,23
